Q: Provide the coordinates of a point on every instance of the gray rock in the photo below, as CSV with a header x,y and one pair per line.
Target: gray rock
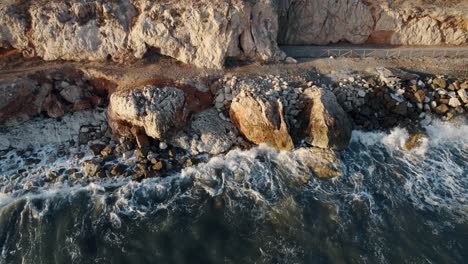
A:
x,y
72,93
157,110
216,135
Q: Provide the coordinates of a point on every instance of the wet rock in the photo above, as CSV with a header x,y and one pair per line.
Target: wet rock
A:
x,y
107,151
325,123
92,167
118,169
96,149
415,141
261,121
322,162
157,165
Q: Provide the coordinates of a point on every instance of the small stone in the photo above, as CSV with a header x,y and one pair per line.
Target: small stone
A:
x,y
441,109
419,96
454,102
415,141
362,93
290,60
351,79
157,166
107,151
462,94
91,167
162,145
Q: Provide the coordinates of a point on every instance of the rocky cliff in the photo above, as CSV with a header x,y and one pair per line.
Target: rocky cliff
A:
x,y
401,22
206,32
202,33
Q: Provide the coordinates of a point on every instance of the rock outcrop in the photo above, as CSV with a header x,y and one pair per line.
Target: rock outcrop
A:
x,y
208,133
261,120
323,22
325,123
323,163
157,110
393,22
202,33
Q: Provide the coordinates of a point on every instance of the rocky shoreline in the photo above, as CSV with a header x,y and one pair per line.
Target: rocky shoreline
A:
x,y
161,126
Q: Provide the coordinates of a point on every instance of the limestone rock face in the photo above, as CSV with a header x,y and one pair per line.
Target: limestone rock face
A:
x,y
324,21
208,134
403,22
261,121
157,110
202,33
325,123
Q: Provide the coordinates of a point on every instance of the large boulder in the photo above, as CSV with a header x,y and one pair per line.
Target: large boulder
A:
x,y
261,120
322,162
158,110
325,123
208,133
202,32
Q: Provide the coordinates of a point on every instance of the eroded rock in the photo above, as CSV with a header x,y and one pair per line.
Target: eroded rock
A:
x,y
322,162
261,120
202,33
208,133
325,123
158,110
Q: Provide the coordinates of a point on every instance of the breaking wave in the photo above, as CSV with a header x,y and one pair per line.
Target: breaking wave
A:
x,y
391,205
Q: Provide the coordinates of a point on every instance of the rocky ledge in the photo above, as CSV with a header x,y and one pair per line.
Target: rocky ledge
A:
x,y
160,126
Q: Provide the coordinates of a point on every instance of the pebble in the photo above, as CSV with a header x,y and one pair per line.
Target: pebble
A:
x,y
362,93
454,102
162,145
